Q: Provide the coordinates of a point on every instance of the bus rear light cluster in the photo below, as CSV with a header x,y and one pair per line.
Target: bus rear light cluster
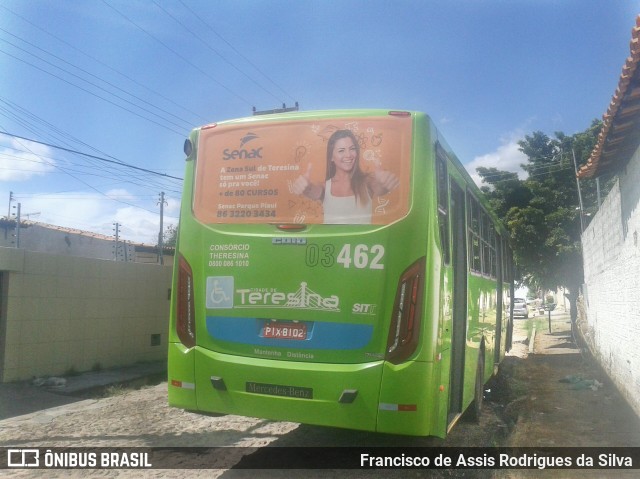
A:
x,y
405,321
185,311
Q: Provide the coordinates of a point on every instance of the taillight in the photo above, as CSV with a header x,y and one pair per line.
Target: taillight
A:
x,y
405,321
185,312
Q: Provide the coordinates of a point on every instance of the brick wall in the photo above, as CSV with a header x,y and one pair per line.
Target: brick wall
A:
x,y
611,249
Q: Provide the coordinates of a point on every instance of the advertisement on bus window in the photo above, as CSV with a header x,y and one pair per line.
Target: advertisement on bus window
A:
x,y
338,171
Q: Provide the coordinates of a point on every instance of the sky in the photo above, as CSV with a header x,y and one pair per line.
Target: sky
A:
x,y
107,85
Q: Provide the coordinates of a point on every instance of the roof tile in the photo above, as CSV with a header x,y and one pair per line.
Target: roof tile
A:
x,y
623,113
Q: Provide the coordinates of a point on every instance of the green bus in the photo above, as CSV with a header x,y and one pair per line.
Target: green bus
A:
x,y
337,268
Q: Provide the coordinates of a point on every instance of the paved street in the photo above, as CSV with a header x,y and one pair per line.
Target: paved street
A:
x,y
538,408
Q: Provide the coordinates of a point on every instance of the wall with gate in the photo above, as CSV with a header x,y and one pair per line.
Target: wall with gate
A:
x,y
65,314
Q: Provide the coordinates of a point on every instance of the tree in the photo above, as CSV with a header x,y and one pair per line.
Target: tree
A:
x,y
506,190
542,213
170,236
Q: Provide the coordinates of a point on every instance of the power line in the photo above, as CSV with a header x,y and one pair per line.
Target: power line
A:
x,y
93,93
54,196
24,117
93,58
106,160
75,177
86,72
63,170
90,92
188,62
485,179
199,17
86,170
206,44
60,135
535,170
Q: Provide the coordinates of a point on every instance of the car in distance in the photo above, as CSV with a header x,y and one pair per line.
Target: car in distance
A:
x,y
520,308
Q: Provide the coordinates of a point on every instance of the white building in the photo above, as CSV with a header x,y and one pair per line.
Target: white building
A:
x,y
45,238
611,247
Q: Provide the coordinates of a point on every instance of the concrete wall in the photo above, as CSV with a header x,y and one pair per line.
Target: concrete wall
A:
x,y
63,241
71,242
64,313
611,249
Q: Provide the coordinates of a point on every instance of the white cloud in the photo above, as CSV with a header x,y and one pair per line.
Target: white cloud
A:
x,y
120,194
173,207
138,224
507,157
21,160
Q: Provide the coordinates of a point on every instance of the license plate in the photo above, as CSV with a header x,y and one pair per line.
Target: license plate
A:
x,y
284,330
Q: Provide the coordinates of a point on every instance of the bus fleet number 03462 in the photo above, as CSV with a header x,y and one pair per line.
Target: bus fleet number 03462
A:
x,y
358,256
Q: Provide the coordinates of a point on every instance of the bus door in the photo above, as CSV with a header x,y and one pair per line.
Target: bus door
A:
x,y
459,331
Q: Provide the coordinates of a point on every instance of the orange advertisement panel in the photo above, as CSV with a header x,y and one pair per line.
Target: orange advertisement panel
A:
x,y
338,171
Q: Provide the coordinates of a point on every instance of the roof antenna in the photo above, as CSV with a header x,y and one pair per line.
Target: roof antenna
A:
x,y
284,109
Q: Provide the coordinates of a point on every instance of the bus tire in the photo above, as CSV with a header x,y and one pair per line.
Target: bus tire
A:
x,y
478,396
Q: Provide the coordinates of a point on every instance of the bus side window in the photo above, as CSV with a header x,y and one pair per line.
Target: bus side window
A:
x,y
475,254
488,244
443,204
494,241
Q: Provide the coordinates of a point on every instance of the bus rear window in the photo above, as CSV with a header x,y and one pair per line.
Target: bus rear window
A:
x,y
339,171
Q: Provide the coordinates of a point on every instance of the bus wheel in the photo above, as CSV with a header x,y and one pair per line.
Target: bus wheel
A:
x,y
476,405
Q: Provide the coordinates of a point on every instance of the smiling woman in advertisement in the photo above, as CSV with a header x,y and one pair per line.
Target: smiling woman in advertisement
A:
x,y
347,192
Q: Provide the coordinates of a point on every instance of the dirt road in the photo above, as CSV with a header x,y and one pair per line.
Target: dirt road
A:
x,y
545,395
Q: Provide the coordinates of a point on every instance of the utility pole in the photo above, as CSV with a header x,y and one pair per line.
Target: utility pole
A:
x,y
18,225
575,166
162,202
117,230
6,228
10,200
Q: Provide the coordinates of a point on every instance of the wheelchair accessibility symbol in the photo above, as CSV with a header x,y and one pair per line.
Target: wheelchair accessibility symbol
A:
x,y
219,292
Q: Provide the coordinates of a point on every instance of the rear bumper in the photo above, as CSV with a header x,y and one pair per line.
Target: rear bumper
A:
x,y
286,390
376,396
